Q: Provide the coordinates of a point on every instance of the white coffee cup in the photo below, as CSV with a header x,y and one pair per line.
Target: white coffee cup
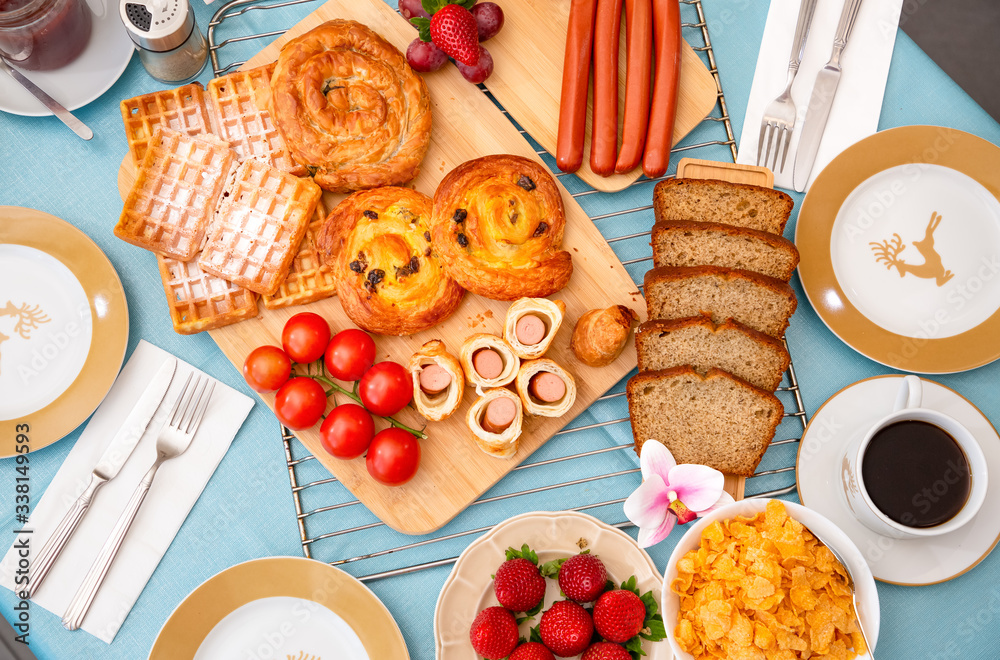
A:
x,y
906,408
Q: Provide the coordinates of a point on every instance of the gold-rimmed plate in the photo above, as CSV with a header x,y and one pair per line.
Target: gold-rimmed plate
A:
x,y
900,248
280,607
63,328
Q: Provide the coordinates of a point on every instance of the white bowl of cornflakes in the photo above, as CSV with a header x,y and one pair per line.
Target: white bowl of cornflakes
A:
x,y
763,588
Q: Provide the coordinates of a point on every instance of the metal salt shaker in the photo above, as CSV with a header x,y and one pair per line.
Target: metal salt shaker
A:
x,y
170,45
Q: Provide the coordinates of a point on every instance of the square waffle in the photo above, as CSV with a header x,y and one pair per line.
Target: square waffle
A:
x,y
175,193
200,301
240,104
308,279
182,109
259,226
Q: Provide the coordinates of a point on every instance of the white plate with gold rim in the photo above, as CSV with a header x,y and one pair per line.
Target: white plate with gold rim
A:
x,y
63,327
280,607
853,410
551,534
900,248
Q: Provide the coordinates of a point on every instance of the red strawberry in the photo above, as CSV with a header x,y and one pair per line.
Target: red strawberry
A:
x,y
604,651
454,30
494,633
518,585
566,628
531,651
619,615
583,578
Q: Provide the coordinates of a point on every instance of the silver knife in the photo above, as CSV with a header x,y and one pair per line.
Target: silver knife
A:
x,y
54,106
111,462
825,88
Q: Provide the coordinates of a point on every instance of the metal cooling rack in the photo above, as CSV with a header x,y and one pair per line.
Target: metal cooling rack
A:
x,y
321,502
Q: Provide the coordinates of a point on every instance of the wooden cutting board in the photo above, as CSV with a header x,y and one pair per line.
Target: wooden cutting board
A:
x,y
528,56
453,471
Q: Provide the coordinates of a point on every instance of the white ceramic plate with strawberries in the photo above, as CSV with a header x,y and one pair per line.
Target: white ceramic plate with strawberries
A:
x,y
552,535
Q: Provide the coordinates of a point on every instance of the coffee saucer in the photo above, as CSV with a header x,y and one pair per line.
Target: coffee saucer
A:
x,y
852,411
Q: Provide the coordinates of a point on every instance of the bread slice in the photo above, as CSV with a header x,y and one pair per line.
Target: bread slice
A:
x,y
710,200
716,419
759,359
761,302
690,243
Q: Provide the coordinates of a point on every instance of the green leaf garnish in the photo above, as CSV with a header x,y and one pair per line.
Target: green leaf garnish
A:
x,y
423,26
550,569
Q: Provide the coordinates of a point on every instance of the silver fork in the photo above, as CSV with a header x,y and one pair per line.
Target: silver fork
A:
x,y
779,115
175,437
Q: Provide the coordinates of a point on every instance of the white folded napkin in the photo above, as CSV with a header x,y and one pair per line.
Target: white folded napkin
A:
x,y
177,486
858,102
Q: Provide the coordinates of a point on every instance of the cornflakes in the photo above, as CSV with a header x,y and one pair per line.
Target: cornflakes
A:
x,y
764,588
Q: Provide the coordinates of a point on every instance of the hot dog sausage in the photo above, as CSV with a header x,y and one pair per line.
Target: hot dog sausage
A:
x,y
434,379
667,44
576,80
546,386
499,415
487,363
604,131
639,54
529,330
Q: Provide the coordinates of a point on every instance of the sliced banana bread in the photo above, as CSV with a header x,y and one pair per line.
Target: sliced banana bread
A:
x,y
690,243
761,302
757,358
716,419
710,200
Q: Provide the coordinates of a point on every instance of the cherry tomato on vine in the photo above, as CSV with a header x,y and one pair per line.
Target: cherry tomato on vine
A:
x,y
305,337
386,388
267,368
347,431
350,354
393,457
300,403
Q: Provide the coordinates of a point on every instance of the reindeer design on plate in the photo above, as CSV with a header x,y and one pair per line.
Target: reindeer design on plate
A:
x,y
932,268
27,319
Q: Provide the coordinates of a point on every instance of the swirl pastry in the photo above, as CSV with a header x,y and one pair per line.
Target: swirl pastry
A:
x,y
495,421
545,388
498,223
389,278
349,107
488,361
531,325
438,381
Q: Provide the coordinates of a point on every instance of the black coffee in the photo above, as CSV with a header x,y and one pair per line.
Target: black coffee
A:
x,y
916,474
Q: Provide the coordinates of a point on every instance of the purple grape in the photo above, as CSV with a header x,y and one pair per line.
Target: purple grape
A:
x,y
411,8
489,19
424,56
480,71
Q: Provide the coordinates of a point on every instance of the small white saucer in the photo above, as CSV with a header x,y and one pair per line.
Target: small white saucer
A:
x,y
817,474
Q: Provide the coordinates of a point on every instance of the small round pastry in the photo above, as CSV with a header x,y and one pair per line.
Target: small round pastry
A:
x,y
350,108
531,325
600,335
498,222
545,388
390,280
438,381
488,361
495,421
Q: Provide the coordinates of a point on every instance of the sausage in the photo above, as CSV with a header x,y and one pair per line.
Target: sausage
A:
x,y
434,379
530,330
487,363
499,415
667,44
575,83
546,386
639,56
604,130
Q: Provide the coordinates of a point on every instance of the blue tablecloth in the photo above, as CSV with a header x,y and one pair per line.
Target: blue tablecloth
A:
x,y
247,512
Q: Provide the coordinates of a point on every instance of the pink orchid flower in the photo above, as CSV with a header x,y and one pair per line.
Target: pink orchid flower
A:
x,y
671,493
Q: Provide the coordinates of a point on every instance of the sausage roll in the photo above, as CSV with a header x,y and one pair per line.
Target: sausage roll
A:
x,y
438,381
349,107
532,324
495,421
545,388
390,279
498,222
488,361
601,334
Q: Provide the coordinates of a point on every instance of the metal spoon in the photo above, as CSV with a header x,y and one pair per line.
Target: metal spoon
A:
x,y
54,106
850,583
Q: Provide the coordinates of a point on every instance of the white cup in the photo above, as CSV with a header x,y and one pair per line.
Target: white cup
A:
x,y
906,408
